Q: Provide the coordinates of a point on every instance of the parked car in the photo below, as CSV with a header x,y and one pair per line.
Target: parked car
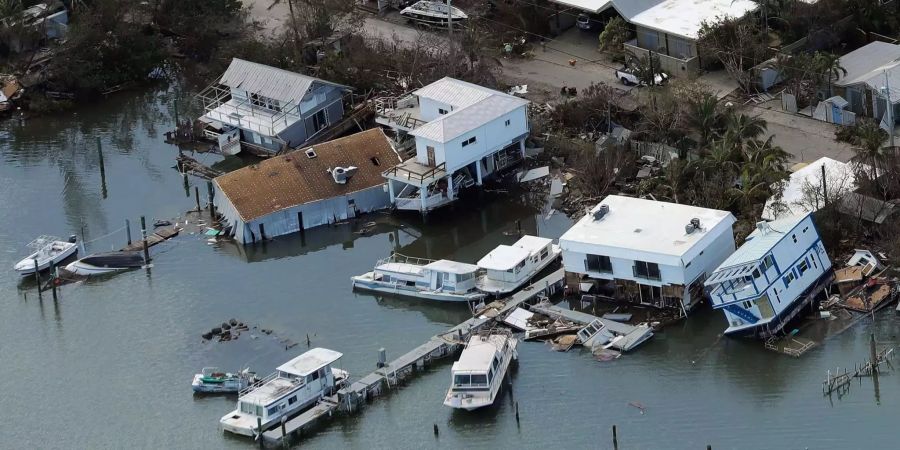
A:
x,y
628,78
584,22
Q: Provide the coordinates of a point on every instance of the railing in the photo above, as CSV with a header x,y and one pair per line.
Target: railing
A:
x,y
416,202
387,107
420,176
215,96
403,259
259,383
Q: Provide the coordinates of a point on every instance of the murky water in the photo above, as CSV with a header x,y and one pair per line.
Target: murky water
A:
x,y
108,364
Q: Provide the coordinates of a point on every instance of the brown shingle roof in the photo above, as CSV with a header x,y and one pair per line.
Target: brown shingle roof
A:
x,y
294,179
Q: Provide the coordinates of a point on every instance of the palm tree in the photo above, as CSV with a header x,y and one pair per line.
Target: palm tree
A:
x,y
740,128
868,139
705,117
766,158
829,65
751,190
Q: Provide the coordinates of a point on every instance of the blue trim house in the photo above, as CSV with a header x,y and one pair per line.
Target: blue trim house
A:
x,y
780,269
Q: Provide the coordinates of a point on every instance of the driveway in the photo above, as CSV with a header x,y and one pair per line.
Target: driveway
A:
x,y
805,138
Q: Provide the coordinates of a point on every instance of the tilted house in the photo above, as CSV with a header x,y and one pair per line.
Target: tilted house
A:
x,y
319,185
463,133
871,70
648,252
265,109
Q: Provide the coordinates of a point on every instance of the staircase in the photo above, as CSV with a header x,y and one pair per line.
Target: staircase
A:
x,y
745,315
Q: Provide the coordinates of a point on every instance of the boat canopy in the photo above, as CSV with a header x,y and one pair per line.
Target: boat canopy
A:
x,y
310,362
447,266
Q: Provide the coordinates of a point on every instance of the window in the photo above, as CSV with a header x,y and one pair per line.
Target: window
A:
x,y
292,400
805,228
768,261
479,380
813,259
468,141
802,267
598,263
756,273
442,111
787,279
272,410
496,362
319,120
490,375
794,237
777,298
647,270
461,380
544,253
507,122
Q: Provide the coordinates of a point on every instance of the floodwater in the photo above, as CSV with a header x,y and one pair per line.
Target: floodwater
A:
x,y
108,364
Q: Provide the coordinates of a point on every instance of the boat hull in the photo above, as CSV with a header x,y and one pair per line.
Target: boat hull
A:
x,y
82,268
230,386
245,424
366,282
26,266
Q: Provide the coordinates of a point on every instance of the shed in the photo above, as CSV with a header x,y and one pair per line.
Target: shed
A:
x,y
323,184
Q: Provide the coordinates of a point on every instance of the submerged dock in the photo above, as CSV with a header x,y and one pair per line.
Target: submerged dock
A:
x,y
389,374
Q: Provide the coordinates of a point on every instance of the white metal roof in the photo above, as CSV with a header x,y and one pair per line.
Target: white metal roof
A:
x,y
269,392
479,353
637,228
795,198
505,257
531,243
870,63
271,82
473,107
310,361
760,241
685,17
445,265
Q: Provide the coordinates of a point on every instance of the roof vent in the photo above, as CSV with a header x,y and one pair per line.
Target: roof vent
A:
x,y
763,227
692,226
310,153
600,212
342,174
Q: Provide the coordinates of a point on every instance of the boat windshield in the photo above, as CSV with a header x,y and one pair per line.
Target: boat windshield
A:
x,y
470,380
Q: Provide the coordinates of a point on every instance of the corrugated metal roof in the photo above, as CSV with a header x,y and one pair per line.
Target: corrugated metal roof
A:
x,y
457,93
869,64
271,82
294,179
759,243
459,121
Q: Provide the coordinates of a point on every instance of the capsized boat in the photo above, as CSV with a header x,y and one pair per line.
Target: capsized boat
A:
x,y
441,280
508,267
476,378
100,263
295,386
49,251
211,380
433,13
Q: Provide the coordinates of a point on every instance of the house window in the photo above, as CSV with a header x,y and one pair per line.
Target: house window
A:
x,y
507,122
768,261
319,120
442,111
794,237
802,267
777,298
649,270
756,273
787,279
813,259
598,263
468,141
545,253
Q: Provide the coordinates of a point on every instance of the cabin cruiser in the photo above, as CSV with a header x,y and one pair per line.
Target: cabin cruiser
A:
x,y
433,13
476,378
508,267
48,250
441,280
211,380
295,386
100,263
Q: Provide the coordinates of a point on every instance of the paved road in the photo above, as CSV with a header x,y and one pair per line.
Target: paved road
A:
x,y
805,138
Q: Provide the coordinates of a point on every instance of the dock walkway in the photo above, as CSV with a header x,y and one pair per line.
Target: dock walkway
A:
x,y
355,396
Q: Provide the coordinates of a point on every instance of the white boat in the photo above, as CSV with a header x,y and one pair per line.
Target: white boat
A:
x,y
441,280
476,378
211,380
508,267
295,386
49,251
100,263
433,14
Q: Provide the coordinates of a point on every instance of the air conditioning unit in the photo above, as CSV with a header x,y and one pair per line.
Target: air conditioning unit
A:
x,y
600,212
342,174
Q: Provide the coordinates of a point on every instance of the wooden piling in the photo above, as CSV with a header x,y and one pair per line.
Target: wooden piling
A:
x,y
519,228
259,430
52,279
144,237
517,413
197,197
102,168
37,277
128,230
210,193
436,431
615,439
873,354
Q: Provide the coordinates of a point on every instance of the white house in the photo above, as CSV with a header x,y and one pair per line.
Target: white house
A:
x,y
463,133
650,252
766,282
319,185
871,70
265,109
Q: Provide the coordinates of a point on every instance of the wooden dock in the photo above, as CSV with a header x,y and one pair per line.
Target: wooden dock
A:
x,y
161,234
354,397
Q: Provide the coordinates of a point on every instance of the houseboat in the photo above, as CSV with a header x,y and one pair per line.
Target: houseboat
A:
x,y
433,14
778,271
476,378
295,386
48,250
441,280
508,267
211,380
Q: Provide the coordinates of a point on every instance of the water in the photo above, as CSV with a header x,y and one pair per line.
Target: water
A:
x,y
108,364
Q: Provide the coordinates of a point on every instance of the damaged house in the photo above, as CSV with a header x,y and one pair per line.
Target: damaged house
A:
x,y
648,252
319,185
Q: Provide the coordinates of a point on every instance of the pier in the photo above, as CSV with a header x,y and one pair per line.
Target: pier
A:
x,y
390,374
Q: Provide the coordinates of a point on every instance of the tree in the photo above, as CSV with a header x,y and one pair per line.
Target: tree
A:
x,y
830,68
738,44
868,140
614,37
705,116
741,128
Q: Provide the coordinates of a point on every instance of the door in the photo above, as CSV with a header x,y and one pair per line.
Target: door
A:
x,y
430,151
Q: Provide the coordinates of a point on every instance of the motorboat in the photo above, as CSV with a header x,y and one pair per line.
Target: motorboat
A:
x,y
100,263
441,280
294,387
211,380
477,377
431,13
508,267
48,251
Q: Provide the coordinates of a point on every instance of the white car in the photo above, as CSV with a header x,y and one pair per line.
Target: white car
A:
x,y
628,78
584,22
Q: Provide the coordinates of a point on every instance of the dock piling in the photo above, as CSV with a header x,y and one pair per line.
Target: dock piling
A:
x,y
210,193
615,439
128,230
307,340
197,197
873,354
37,277
436,431
53,276
517,413
382,357
259,430
102,168
144,237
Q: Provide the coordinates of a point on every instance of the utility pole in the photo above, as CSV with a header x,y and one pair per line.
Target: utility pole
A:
x,y
889,108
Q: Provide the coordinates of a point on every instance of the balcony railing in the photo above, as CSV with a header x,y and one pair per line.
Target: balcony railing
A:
x,y
264,120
